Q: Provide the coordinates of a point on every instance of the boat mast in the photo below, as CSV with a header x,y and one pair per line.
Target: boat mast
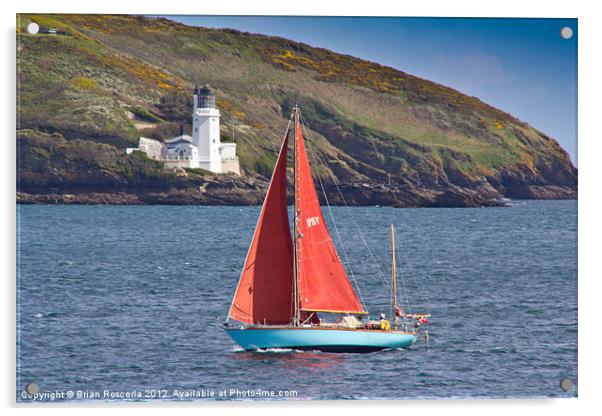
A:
x,y
393,270
297,312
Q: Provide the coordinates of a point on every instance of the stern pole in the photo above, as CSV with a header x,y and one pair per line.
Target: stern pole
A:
x,y
393,276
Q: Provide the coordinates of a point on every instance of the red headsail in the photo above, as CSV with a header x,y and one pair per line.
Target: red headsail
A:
x,y
323,282
265,288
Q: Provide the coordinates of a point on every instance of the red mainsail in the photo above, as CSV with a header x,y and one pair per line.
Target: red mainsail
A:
x,y
322,280
265,288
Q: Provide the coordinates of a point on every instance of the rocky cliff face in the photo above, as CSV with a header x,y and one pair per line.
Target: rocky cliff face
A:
x,y
384,136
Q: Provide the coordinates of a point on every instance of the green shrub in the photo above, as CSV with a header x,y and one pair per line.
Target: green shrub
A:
x,y
84,83
199,171
145,115
265,164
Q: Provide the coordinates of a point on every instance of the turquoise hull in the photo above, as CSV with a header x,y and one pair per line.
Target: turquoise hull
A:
x,y
322,339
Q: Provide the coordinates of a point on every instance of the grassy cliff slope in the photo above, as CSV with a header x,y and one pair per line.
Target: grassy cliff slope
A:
x,y
387,136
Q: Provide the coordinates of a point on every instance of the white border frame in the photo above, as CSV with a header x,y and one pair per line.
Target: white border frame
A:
x,y
589,150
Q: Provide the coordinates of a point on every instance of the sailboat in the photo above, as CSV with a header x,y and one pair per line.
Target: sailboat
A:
x,y
288,283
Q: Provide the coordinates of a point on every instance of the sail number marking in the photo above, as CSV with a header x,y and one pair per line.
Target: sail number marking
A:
x,y
312,221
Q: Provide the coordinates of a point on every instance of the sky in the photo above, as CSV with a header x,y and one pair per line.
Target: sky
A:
x,y
521,66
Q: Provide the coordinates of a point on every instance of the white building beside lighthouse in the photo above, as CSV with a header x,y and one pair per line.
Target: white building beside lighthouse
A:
x,y
204,149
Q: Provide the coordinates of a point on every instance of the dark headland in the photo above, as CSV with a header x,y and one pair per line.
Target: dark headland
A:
x,y
385,137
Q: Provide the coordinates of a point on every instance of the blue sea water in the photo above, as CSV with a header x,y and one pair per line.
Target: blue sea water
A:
x,y
128,301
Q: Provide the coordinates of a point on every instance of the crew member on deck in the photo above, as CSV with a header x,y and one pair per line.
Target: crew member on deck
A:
x,y
384,324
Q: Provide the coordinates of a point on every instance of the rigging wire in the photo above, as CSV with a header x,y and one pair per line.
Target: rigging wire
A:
x,y
386,283
404,298
403,281
383,278
305,125
413,275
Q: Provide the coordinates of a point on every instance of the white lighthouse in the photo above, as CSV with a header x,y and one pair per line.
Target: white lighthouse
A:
x,y
205,129
204,149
